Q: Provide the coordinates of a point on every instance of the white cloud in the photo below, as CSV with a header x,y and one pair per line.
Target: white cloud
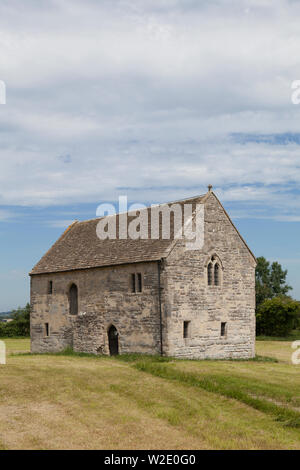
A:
x,y
145,96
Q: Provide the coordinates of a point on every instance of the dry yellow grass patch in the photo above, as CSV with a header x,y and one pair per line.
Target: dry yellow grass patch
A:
x,y
282,350
65,402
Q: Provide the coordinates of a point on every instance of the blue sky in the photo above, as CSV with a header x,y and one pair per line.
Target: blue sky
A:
x,y
154,99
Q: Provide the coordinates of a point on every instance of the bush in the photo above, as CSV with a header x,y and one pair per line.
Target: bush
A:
x,y
277,316
19,326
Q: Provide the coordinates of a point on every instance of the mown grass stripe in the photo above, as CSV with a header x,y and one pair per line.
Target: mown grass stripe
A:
x,y
213,384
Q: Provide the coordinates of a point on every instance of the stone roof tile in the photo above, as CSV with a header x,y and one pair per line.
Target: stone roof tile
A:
x,y
80,248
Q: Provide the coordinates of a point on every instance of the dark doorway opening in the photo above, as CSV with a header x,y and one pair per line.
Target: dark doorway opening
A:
x,y
113,340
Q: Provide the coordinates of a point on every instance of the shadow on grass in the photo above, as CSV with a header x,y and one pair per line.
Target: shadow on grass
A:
x,y
136,357
67,352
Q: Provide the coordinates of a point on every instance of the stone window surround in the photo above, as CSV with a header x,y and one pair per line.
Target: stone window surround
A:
x,y
187,329
50,287
214,259
224,336
70,284
46,330
137,292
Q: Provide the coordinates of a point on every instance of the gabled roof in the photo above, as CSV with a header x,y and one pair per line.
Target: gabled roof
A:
x,y
242,239
80,248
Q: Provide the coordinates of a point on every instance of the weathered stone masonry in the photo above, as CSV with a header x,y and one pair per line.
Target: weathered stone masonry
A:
x,y
102,272
104,299
188,296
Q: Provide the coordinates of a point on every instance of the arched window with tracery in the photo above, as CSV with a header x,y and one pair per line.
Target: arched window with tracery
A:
x,y
214,271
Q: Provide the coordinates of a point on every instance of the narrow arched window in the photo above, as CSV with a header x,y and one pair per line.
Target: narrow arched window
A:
x,y
214,271
73,299
209,274
216,275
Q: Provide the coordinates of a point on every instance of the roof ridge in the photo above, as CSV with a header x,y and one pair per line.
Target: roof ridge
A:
x,y
80,248
143,208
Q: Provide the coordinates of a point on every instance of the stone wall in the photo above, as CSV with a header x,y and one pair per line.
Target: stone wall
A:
x,y
187,296
105,298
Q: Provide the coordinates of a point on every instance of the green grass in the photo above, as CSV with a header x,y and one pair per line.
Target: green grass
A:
x,y
249,392
134,357
80,401
295,335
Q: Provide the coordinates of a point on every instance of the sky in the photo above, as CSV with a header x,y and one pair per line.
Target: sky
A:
x,y
153,99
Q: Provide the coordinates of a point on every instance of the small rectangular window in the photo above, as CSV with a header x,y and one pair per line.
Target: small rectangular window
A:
x,y
133,289
46,329
223,329
50,287
139,279
186,329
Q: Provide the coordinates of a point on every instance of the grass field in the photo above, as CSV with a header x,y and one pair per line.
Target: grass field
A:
x,y
134,402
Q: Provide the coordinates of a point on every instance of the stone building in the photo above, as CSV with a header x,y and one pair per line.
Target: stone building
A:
x,y
150,296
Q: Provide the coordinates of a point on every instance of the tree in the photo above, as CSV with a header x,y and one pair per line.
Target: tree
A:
x,y
270,280
277,316
21,319
20,324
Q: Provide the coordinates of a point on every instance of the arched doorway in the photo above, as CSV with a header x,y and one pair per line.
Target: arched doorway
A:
x,y
113,340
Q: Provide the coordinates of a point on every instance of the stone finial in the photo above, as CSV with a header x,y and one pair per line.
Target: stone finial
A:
x,y
209,187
